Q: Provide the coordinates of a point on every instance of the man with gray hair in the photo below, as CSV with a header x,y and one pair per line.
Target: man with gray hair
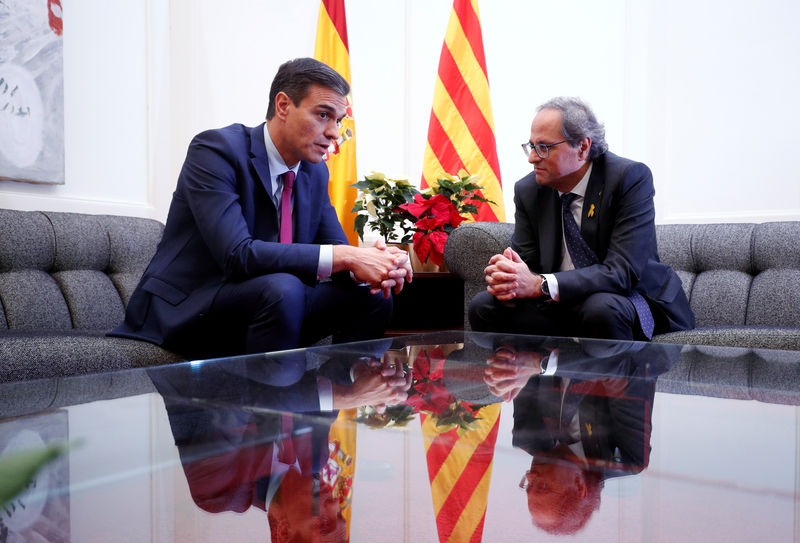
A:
x,y
583,260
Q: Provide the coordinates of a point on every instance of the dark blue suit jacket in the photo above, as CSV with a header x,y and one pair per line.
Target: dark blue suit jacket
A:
x,y
223,226
618,223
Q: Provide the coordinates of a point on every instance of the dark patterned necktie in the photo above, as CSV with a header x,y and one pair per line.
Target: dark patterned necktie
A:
x,y
286,207
583,256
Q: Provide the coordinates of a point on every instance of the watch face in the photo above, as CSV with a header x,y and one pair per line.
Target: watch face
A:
x,y
545,288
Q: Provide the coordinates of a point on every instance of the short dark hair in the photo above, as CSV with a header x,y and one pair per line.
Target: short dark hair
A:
x,y
577,122
294,78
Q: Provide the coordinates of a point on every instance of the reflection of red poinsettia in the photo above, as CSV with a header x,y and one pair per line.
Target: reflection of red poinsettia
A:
x,y
429,394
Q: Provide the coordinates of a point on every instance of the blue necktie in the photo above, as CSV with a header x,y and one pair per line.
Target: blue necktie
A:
x,y
583,256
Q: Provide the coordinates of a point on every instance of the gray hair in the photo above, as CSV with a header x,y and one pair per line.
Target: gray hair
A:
x,y
578,122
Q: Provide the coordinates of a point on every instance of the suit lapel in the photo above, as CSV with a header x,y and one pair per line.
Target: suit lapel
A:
x,y
590,216
259,160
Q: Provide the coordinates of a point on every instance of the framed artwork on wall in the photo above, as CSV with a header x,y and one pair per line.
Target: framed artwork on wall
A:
x,y
31,91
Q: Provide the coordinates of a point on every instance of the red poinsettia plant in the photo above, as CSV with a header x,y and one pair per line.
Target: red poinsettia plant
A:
x,y
439,210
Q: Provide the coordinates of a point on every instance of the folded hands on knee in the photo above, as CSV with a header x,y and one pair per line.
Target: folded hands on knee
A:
x,y
508,277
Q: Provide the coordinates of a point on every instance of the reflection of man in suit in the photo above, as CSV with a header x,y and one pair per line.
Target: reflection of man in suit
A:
x,y
251,237
241,446
584,419
614,286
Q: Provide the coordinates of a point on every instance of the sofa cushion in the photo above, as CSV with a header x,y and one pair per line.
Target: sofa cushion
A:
x,y
763,337
37,355
31,231
33,301
719,297
81,242
91,297
775,298
775,245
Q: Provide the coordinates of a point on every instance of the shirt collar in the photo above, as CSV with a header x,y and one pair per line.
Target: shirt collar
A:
x,y
276,164
580,188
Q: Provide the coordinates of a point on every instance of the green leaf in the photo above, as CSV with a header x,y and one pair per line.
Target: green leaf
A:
x,y
18,469
358,225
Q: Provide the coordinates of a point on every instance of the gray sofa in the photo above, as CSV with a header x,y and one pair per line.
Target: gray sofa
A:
x,y
742,280
65,280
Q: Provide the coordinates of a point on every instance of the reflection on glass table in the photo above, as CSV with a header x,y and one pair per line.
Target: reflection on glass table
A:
x,y
420,438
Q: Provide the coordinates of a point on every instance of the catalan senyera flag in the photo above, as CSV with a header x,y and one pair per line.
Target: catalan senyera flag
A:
x,y
460,470
332,48
461,128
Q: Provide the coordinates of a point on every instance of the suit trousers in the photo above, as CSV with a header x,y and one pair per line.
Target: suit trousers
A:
x,y
600,315
278,311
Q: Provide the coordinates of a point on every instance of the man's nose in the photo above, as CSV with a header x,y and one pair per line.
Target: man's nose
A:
x,y
533,157
332,130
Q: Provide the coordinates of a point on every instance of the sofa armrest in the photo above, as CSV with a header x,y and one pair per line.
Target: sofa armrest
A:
x,y
468,250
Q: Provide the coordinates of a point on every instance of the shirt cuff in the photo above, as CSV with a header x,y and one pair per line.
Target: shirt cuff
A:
x,y
552,361
325,390
552,285
325,266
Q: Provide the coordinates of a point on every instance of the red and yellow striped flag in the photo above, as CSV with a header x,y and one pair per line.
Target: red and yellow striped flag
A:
x,y
461,129
460,470
332,48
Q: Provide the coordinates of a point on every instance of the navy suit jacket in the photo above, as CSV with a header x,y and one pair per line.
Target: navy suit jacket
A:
x,y
223,227
618,223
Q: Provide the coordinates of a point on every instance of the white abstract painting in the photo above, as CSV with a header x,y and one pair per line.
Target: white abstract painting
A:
x,y
31,91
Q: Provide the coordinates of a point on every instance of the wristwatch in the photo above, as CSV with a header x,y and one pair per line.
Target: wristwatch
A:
x,y
545,288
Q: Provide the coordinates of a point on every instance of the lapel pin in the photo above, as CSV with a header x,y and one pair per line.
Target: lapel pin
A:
x,y
591,211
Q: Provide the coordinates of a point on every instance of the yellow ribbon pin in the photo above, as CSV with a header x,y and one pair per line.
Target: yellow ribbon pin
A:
x,y
591,211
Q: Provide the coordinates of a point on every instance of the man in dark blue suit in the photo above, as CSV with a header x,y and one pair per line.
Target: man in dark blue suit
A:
x,y
581,199
253,257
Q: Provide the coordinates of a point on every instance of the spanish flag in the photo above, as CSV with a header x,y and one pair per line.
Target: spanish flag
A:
x,y
331,48
461,128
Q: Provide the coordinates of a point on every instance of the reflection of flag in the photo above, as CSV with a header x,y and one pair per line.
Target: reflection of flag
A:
x,y
331,48
341,466
461,128
460,469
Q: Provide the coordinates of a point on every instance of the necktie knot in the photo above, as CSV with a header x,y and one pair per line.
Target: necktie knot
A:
x,y
288,180
568,198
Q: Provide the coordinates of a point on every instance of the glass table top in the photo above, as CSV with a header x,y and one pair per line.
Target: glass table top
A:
x,y
451,436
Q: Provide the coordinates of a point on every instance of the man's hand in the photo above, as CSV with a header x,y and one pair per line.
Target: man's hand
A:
x,y
384,268
509,277
378,384
397,277
509,371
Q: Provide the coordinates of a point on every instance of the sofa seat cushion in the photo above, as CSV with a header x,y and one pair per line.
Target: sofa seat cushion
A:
x,y
757,337
35,355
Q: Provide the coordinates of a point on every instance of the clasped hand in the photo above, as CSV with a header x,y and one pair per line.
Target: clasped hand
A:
x,y
377,383
383,268
508,277
509,370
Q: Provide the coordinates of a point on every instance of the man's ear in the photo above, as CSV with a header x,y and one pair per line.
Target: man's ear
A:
x,y
282,105
583,148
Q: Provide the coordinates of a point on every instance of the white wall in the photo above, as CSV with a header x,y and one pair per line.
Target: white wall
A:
x,y
701,92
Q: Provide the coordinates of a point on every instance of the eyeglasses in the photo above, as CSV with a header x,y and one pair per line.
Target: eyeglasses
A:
x,y
542,149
